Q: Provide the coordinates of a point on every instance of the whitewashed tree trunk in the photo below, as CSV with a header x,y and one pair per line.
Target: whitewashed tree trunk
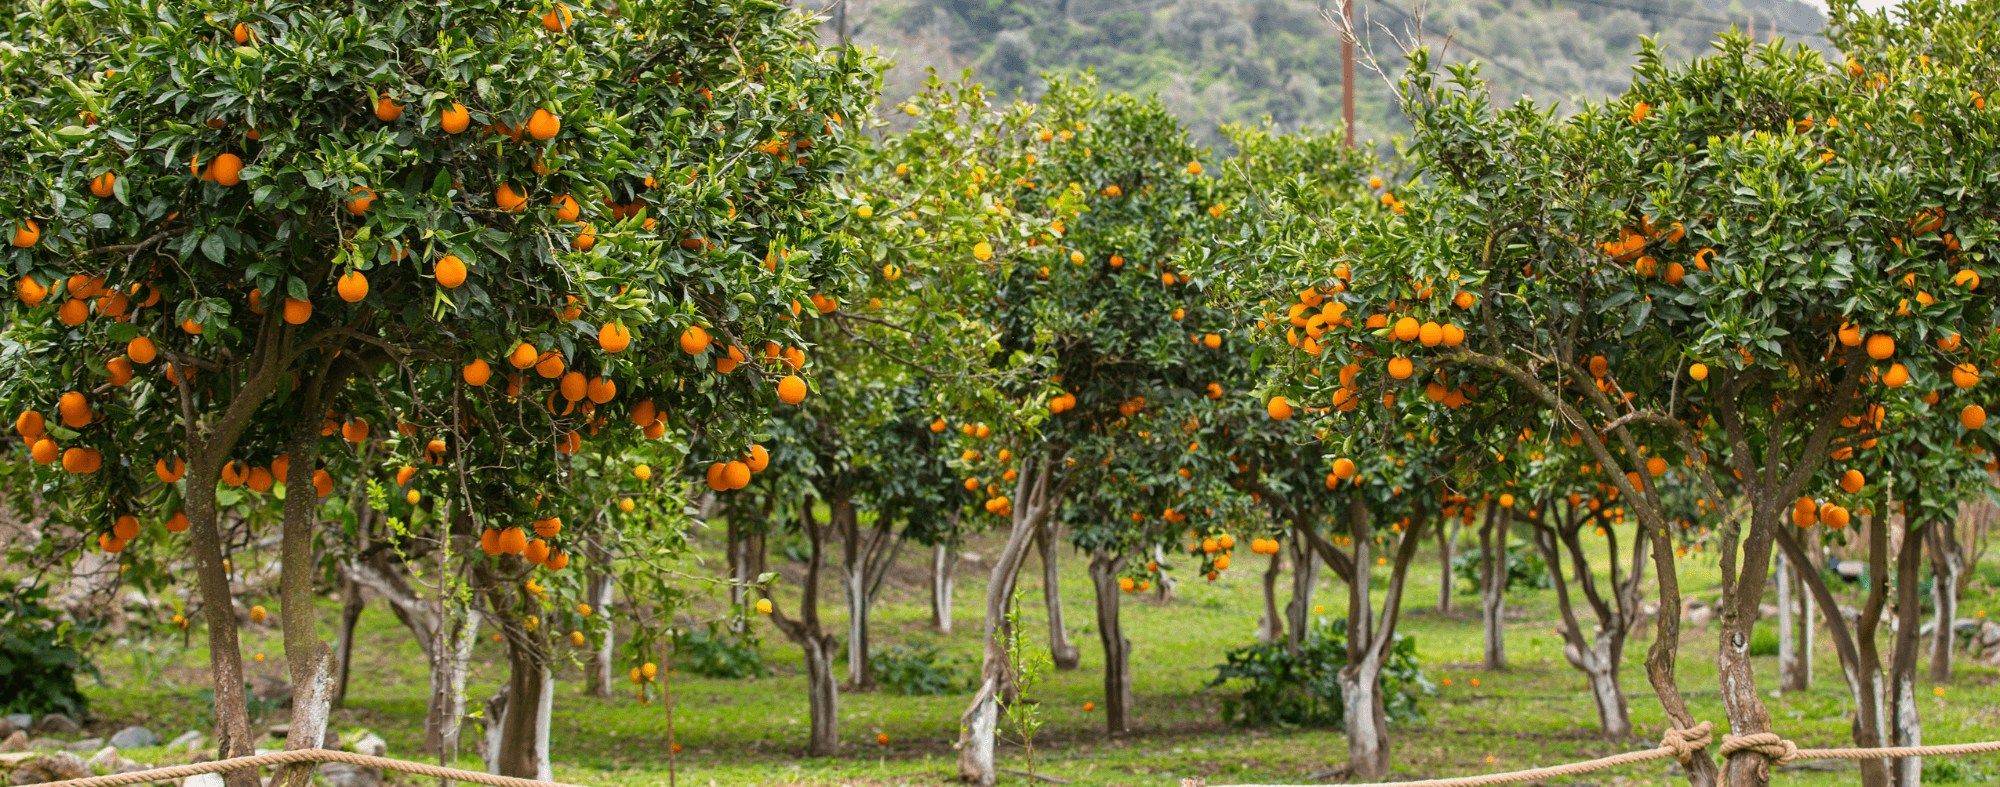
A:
x,y
1947,565
1064,655
1036,494
1493,586
1104,571
944,567
1788,650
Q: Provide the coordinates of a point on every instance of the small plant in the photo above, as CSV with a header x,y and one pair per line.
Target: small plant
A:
x,y
1764,641
1303,689
1946,770
1027,664
713,652
1525,568
38,662
918,670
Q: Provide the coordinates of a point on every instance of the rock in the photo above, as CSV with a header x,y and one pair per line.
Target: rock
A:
x,y
87,744
186,741
969,557
56,724
15,742
52,767
134,737
1989,634
10,759
1852,614
46,744
21,721
1964,626
371,745
280,731
266,687
6,728
203,780
1850,570
108,761
341,774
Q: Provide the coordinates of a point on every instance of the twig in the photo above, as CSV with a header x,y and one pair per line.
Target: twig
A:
x,y
1043,776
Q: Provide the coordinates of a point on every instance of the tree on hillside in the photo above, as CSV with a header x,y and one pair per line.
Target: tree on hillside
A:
x,y
328,220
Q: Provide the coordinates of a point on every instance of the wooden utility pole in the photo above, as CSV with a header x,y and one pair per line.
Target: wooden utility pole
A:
x,y
1347,68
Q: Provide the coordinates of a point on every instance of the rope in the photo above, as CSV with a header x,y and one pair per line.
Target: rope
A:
x,y
300,756
1684,745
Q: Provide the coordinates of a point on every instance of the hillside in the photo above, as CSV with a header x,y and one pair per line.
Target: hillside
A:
x,y
1216,62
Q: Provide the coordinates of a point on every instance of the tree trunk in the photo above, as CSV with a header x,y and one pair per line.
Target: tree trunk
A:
x,y
1860,663
445,712
600,674
1906,729
1063,653
1493,585
818,647
822,696
944,567
351,605
1596,657
1305,579
1368,644
1034,499
524,730
1947,568
308,660
1270,627
233,737
854,551
1790,667
1104,570
1446,543
1163,589
1366,720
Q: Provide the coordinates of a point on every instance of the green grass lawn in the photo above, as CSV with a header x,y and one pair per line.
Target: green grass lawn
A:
x,y
753,731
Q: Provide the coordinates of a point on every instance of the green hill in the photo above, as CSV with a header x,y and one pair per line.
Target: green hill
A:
x,y
1216,62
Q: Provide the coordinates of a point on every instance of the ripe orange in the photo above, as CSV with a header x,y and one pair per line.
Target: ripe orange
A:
x,y
364,198
81,461
586,238
1401,368
1965,375
121,370
455,119
1406,329
1698,371
102,185
1211,341
601,390
1972,417
791,390
543,124
551,366
1852,481
241,34
45,451
30,291
297,311
1279,408
177,523
1430,334
476,373
353,286
757,459
386,109
1506,501
573,386
523,356
74,410
694,340
226,170
566,208
74,311
736,475
511,541
1343,468
141,350
259,479
1834,516
354,431
645,414
30,425
1881,346
505,197
322,483
558,20
1897,376
450,272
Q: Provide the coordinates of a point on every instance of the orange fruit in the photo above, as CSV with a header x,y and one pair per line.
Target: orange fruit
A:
x,y
353,286
1881,346
558,20
386,109
1401,368
476,373
1279,408
586,238
551,366
523,356
241,34
572,386
121,370
757,459
30,425
354,431
226,170
191,326
791,390
543,124
736,475
694,340
359,204
81,461
537,551
297,311
74,410
259,479
322,483
1698,371
450,272
1897,376
1506,501
1852,481
1406,329
1972,417
512,541
505,197
1343,468
1430,334
102,185
141,350
1211,341
601,390
455,119
45,451
177,523
30,291
569,443
645,414
74,311
26,233
1965,375
566,208
1834,516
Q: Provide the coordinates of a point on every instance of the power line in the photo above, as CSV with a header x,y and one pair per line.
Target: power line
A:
x,y
1469,48
1656,12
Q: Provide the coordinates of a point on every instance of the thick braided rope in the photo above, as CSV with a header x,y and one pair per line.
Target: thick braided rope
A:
x,y
299,756
1773,748
1678,744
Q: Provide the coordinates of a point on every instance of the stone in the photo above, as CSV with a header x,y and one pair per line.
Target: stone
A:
x,y
15,742
1850,570
21,721
87,744
267,688
57,724
1961,627
186,741
108,761
52,767
1989,634
46,744
134,737
10,759
372,745
341,774
6,728
203,780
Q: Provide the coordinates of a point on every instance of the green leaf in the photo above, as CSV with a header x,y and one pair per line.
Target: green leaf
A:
x,y
214,248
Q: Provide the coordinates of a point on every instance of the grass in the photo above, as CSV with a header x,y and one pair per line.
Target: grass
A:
x,y
753,731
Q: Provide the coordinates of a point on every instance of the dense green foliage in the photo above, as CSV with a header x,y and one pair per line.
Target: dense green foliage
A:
x,y
1287,687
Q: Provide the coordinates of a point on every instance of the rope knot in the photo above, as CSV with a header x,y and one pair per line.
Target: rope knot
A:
x,y
1774,748
1685,743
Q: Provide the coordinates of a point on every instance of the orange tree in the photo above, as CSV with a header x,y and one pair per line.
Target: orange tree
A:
x,y
205,272
1711,251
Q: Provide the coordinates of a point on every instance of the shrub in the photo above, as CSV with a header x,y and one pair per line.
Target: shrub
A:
x,y
1764,641
1525,568
38,665
1303,690
714,652
921,669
